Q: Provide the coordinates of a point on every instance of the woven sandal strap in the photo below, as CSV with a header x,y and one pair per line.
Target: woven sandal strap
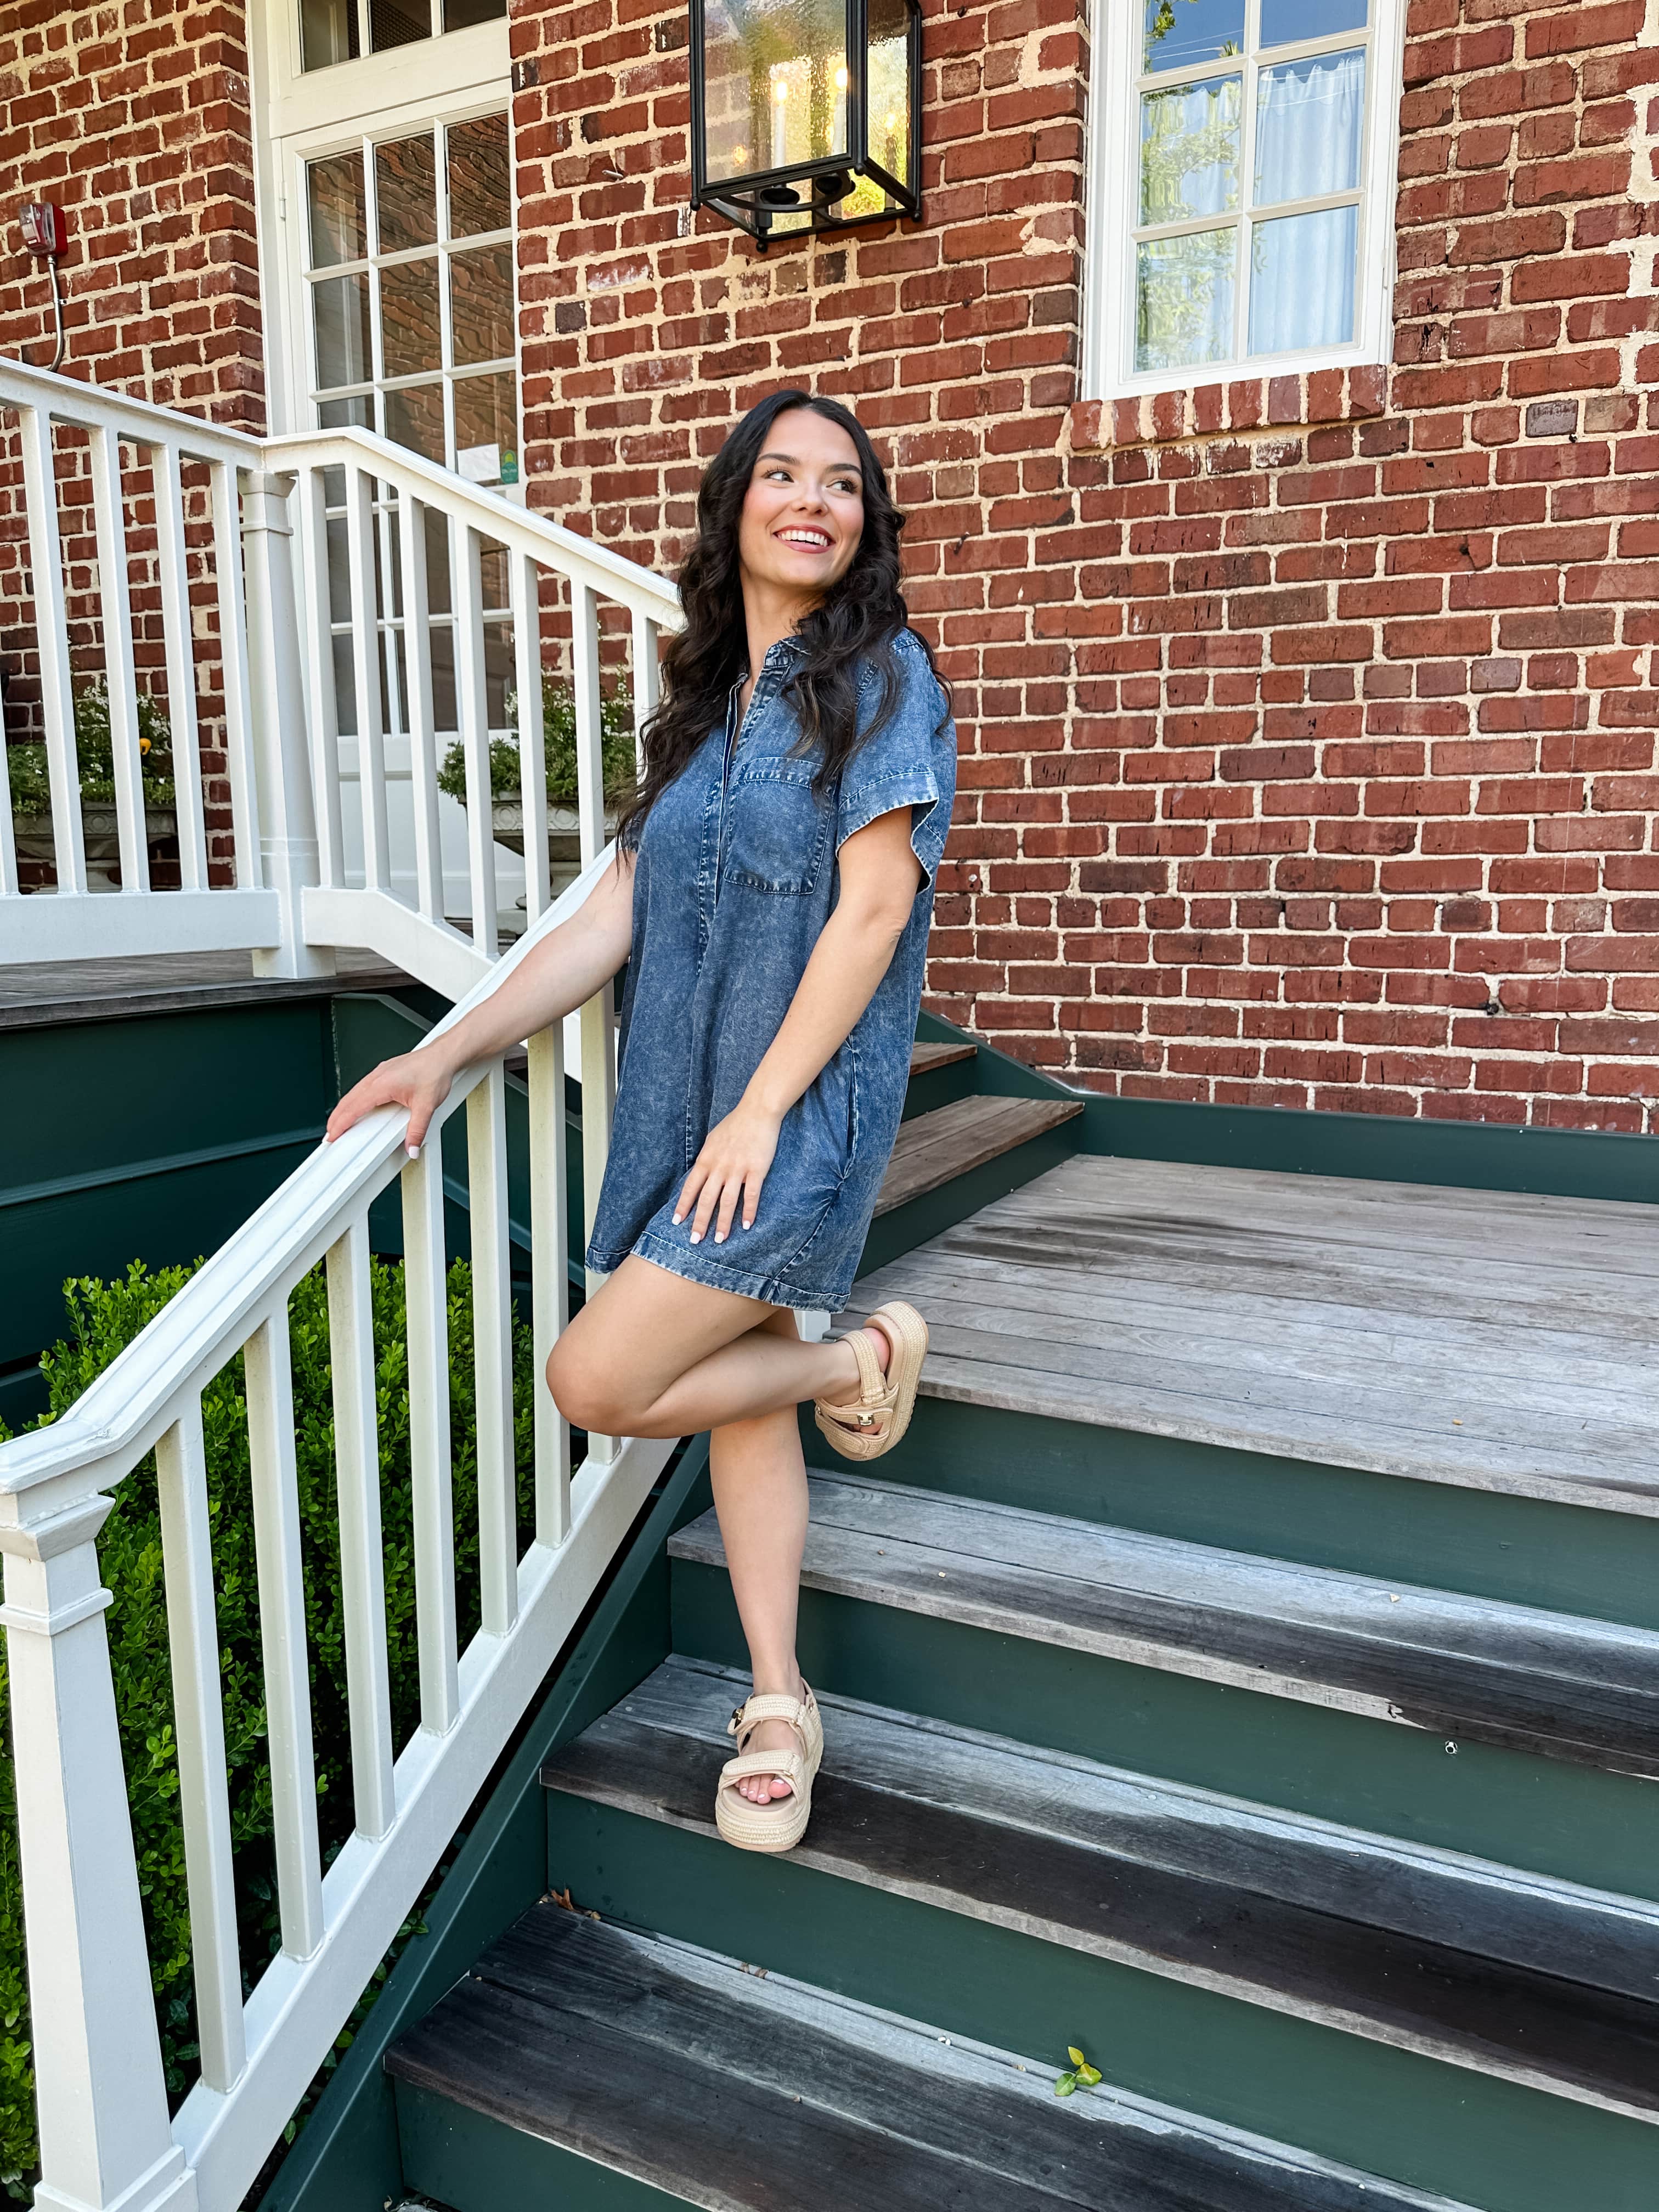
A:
x,y
789,1764
766,1705
859,1420
873,1384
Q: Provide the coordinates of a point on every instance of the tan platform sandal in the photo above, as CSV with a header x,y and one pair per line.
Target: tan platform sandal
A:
x,y
779,1826
875,1421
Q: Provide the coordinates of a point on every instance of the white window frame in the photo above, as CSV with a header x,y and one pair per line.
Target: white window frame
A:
x,y
311,113
1112,204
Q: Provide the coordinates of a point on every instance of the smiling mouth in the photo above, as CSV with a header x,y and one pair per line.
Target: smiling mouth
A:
x,y
810,541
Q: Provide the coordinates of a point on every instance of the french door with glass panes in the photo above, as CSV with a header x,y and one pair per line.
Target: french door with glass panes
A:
x,y
408,292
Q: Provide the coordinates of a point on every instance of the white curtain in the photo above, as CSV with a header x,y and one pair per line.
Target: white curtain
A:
x,y
1309,128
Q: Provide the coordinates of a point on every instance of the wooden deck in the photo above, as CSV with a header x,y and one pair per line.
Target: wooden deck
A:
x,y
1489,1340
36,994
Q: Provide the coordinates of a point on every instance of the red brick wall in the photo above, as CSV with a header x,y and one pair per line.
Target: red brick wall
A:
x,y
1307,727
134,119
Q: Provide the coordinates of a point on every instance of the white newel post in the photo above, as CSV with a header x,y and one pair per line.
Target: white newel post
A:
x,y
282,752
106,2145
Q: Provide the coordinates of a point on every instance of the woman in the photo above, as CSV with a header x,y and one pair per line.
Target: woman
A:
x,y
771,895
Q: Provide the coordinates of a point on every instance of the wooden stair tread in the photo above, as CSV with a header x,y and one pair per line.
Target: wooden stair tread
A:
x,y
733,2090
935,1148
1442,1335
1517,1975
943,1053
1462,1666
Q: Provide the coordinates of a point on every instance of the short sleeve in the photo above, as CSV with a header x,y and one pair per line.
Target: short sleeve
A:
x,y
910,760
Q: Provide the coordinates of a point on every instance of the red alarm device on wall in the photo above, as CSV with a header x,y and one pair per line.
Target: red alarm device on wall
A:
x,y
45,233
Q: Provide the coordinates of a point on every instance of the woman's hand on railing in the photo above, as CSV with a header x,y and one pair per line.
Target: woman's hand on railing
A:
x,y
418,1080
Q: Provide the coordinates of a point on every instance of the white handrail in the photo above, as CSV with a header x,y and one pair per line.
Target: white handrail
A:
x,y
315,772
105,2132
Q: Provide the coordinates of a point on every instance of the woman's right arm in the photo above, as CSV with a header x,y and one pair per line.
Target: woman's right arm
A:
x,y
564,972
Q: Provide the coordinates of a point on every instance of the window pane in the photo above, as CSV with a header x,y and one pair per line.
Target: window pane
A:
x,y
406,193
776,84
357,413
334,190
890,89
340,305
1189,150
1302,281
415,417
1282,20
1184,299
480,189
460,14
396,23
486,429
481,303
1310,117
1179,34
328,33
410,332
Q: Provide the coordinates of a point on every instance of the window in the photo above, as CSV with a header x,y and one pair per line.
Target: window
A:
x,y
1242,208
409,284
340,30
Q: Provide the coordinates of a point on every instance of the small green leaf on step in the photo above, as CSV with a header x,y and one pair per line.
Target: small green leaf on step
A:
x,y
1066,2084
1075,2055
1089,2075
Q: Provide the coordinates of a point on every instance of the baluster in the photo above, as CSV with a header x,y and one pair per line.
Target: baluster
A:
x,y
51,640
173,572
283,1634
422,735
550,1262
120,676
532,748
648,679
99,2091
492,1351
363,1572
473,714
590,745
320,653
235,677
9,883
425,1293
199,1730
366,672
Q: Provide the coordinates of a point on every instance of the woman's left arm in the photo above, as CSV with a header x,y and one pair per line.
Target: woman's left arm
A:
x,y
880,875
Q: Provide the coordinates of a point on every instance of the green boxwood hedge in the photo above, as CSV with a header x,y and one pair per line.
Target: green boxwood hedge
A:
x,y
103,1318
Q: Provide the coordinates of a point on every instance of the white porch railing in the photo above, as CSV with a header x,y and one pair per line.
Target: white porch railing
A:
x,y
105,2133
264,579
325,597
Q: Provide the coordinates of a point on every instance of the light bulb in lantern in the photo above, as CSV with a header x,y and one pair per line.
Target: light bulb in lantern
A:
x,y
781,90
841,79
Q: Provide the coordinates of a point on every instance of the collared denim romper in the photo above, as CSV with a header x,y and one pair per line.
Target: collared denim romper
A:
x,y
735,877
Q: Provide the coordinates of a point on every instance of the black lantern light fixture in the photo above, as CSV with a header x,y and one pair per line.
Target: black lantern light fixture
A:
x,y
805,113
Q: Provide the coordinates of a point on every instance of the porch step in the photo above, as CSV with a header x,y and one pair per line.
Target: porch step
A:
x,y
1480,1340
1539,1982
925,1058
719,2086
1467,1668
936,1148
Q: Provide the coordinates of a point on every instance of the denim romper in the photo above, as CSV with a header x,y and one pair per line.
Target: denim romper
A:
x,y
735,875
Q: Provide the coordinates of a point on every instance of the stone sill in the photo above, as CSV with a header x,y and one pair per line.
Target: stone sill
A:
x,y
1258,402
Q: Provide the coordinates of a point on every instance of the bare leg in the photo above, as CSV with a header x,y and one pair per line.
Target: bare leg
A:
x,y
759,1474
654,1355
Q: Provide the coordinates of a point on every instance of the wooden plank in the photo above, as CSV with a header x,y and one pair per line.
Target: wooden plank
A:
x,y
937,1147
1462,1666
764,2092
1510,1974
924,1058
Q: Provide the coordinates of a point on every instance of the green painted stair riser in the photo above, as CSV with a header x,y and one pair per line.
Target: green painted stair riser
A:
x,y
1437,2127
1527,1550
1553,1817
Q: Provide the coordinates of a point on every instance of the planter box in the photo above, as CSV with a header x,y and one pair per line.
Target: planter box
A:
x,y
100,834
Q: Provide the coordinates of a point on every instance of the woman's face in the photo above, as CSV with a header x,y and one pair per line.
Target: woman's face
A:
x,y
803,515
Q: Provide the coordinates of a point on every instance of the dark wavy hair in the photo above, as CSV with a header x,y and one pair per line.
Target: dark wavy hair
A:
x,y
858,619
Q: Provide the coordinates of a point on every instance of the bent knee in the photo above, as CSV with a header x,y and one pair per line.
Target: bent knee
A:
x,y
588,1399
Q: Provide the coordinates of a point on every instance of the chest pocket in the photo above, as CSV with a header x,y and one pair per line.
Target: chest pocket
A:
x,y
779,831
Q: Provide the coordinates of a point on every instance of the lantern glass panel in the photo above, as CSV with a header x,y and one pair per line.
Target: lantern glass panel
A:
x,y
775,84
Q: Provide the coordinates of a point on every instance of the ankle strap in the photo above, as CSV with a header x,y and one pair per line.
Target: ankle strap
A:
x,y
774,1705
